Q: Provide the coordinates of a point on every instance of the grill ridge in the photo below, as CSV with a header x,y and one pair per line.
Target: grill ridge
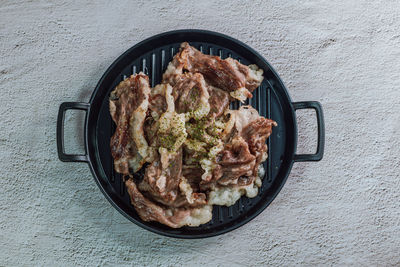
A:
x,y
269,159
144,68
121,185
112,177
153,69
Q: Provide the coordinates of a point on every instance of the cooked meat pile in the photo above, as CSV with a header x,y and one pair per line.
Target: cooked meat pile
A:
x,y
198,151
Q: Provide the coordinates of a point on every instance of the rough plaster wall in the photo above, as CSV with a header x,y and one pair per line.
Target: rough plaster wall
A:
x,y
344,210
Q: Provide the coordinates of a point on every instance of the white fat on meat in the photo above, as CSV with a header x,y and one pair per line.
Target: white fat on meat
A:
x,y
256,73
228,195
186,189
241,94
171,122
137,121
197,216
241,118
208,164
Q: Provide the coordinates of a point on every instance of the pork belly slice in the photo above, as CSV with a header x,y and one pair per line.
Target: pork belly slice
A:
x,y
228,74
253,128
173,217
128,106
245,149
250,128
163,182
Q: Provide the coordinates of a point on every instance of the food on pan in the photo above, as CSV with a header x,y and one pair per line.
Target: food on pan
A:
x,y
195,151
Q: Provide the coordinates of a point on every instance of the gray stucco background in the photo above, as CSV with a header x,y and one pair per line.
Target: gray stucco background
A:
x,y
344,210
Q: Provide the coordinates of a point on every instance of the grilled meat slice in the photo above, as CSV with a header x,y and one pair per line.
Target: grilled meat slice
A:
x,y
173,217
163,181
128,107
255,134
244,150
228,74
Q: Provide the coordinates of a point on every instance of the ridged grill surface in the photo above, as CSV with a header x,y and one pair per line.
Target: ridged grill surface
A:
x,y
265,100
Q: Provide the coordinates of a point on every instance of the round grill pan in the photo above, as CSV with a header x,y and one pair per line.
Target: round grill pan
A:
x,y
152,56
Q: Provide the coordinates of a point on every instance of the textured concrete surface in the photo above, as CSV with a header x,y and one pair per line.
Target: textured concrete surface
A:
x,y
344,210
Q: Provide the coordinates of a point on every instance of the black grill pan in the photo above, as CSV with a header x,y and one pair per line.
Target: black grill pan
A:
x,y
152,56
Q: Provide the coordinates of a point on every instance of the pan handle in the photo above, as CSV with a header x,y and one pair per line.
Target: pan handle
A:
x,y
60,132
321,131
